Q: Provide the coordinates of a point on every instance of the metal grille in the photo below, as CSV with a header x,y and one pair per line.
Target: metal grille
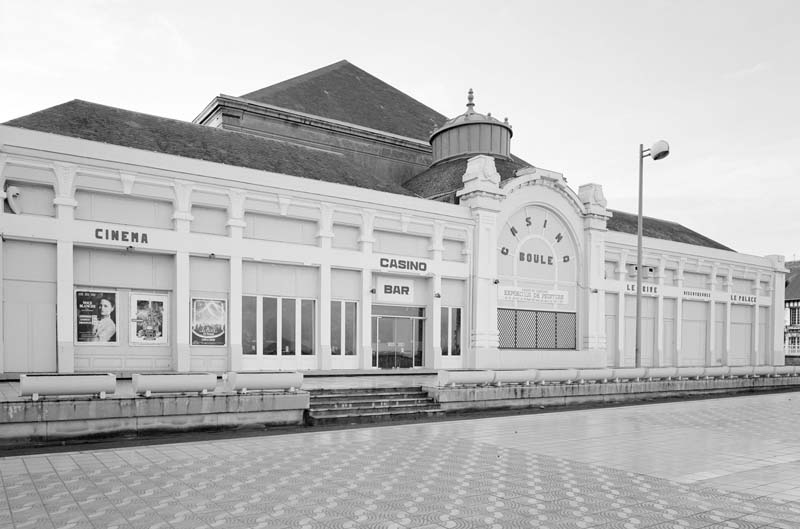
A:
x,y
546,330
534,329
565,330
506,325
526,329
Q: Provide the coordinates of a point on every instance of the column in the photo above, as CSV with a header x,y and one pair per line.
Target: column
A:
x,y
182,218
775,354
65,305
366,240
483,195
434,343
593,295
325,241
235,225
679,314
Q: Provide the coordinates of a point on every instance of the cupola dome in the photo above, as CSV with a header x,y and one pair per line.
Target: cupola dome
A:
x,y
471,133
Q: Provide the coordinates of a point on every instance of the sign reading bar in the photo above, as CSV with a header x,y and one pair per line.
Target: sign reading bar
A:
x,y
742,299
392,289
647,289
532,295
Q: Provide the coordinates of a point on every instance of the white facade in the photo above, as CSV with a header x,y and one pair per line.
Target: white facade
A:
x,y
249,270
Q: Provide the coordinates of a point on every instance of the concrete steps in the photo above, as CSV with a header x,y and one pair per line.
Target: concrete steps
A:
x,y
369,405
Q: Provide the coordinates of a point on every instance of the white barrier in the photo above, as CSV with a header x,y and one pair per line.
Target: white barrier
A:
x,y
741,371
147,384
595,375
661,373
244,382
557,375
785,371
716,371
691,372
629,373
460,378
35,385
519,376
764,371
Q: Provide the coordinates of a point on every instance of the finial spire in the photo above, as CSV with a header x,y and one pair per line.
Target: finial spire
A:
x,y
470,99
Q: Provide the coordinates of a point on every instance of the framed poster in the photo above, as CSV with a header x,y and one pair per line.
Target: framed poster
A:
x,y
96,317
209,321
149,319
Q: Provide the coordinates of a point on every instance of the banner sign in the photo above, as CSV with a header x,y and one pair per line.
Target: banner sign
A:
x,y
743,299
149,314
392,289
648,289
209,321
532,295
96,317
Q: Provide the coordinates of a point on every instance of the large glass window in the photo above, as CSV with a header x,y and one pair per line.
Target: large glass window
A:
x,y
284,323
343,328
534,329
451,331
794,316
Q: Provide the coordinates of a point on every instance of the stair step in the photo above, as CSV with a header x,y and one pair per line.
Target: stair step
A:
x,y
375,417
349,402
366,410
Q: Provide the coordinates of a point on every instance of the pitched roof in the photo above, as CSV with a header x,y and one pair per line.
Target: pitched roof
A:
x,y
660,229
90,121
345,92
445,177
792,280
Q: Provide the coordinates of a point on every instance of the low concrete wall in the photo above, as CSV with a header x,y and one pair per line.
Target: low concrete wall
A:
x,y
45,421
476,398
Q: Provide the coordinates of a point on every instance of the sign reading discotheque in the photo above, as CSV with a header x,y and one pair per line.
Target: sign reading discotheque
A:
x,y
532,295
209,321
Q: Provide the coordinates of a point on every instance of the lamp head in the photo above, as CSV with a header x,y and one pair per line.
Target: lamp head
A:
x,y
659,150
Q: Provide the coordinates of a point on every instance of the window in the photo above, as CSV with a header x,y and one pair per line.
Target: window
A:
x,y
794,316
286,324
451,331
343,328
533,329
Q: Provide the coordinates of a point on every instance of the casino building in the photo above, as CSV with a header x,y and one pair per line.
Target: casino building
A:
x,y
331,222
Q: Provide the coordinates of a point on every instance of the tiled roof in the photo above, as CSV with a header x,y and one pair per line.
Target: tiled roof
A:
x,y
660,229
344,92
445,178
793,280
90,121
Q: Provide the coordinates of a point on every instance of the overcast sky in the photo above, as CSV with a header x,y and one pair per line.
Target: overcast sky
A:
x,y
583,83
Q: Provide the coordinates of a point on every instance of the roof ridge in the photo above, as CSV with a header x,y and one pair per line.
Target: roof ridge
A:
x,y
286,83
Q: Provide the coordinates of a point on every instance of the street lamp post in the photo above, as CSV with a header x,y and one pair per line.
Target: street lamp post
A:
x,y
659,150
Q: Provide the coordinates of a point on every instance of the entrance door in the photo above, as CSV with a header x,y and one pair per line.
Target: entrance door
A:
x,y
398,342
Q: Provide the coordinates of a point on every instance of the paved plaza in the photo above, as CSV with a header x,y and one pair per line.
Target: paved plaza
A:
x,y
721,463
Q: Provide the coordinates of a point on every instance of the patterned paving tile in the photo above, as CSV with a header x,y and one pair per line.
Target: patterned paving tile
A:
x,y
731,463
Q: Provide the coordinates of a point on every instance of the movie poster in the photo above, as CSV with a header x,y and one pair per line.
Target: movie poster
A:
x,y
149,319
96,316
209,320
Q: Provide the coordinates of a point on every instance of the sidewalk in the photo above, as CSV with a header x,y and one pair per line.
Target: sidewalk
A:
x,y
731,462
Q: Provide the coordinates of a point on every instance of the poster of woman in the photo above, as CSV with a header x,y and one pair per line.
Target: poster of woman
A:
x,y
148,319
96,316
209,319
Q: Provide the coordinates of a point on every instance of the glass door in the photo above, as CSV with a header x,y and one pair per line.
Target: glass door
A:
x,y
398,342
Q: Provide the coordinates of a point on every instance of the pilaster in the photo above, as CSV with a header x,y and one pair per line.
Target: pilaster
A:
x,y
65,307
679,314
182,353
325,240
235,226
366,241
593,302
775,353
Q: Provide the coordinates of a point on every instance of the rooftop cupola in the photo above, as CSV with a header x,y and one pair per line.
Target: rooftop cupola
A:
x,y
471,133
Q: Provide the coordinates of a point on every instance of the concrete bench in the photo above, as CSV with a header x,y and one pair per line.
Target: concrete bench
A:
x,y
764,371
595,375
660,373
741,371
630,373
461,378
716,371
244,382
149,383
517,376
566,376
691,372
67,384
